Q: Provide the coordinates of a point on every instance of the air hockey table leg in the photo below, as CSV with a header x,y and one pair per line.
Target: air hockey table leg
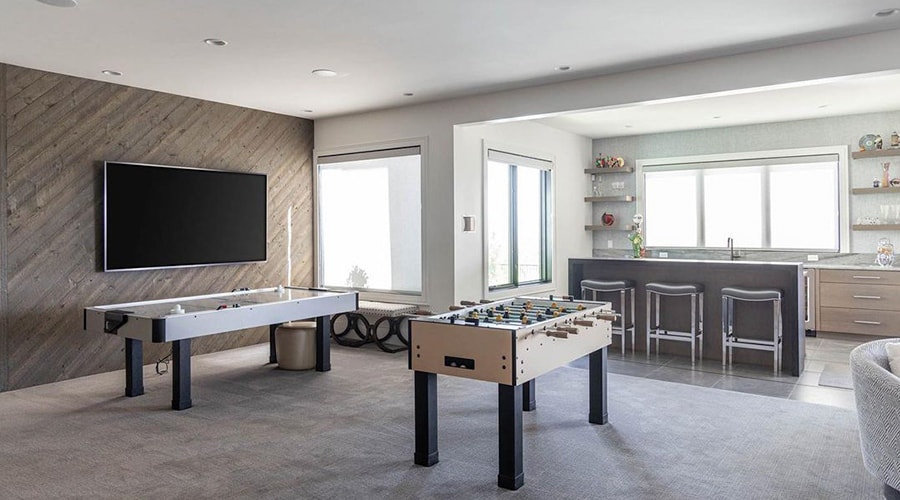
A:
x,y
323,343
426,418
528,400
597,378
511,475
134,367
273,355
181,374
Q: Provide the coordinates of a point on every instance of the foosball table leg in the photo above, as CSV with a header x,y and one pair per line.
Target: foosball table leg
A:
x,y
181,374
134,367
597,378
323,343
528,401
511,476
426,419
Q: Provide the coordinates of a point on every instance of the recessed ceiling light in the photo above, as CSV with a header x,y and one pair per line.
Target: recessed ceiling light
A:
x,y
880,13
563,68
716,117
215,42
408,94
111,72
324,73
307,111
823,106
60,3
627,126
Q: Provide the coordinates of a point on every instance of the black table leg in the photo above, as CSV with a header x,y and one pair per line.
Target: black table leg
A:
x,y
528,401
181,374
323,343
134,367
273,355
426,419
597,377
511,474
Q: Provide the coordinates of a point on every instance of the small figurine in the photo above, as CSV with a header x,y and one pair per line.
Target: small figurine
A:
x,y
895,140
878,142
636,238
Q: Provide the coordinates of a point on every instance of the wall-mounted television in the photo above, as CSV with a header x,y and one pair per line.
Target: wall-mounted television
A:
x,y
161,217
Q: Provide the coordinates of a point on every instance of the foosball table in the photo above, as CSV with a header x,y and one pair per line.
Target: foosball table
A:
x,y
508,342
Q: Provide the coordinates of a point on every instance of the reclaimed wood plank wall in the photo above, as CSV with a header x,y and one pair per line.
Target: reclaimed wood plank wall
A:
x,y
57,131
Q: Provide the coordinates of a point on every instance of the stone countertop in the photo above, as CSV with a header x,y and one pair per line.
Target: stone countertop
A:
x,y
848,261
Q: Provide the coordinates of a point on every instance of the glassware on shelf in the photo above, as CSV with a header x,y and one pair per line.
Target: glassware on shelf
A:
x,y
884,255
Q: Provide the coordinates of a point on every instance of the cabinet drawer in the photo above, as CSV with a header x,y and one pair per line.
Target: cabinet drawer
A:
x,y
870,322
859,295
874,277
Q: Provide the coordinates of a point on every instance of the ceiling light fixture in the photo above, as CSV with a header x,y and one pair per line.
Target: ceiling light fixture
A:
x,y
60,3
215,42
627,126
408,94
823,106
881,13
111,72
563,68
307,111
324,73
716,117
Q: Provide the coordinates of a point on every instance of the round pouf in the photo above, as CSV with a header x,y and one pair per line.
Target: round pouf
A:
x,y
295,345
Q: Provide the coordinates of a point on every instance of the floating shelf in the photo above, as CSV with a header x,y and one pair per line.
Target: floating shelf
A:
x,y
878,153
616,170
876,227
875,190
604,199
612,228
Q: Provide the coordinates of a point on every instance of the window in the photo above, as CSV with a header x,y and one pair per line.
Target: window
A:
x,y
518,201
784,200
370,220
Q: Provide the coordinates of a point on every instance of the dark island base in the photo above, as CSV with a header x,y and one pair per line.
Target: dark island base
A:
x,y
714,275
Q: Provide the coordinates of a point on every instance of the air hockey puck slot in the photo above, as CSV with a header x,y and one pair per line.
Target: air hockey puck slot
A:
x,y
464,363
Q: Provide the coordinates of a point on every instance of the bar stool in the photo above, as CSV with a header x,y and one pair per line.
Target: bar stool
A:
x,y
695,291
730,339
621,286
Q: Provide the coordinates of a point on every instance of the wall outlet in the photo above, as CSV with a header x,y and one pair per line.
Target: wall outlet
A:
x,y
812,258
608,243
663,255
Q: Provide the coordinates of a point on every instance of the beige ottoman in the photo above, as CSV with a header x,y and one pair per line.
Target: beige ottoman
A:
x,y
295,345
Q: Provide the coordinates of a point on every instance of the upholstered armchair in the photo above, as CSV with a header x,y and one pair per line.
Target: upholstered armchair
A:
x,y
877,393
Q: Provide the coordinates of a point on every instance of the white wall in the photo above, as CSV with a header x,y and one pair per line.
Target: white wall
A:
x,y
570,153
790,65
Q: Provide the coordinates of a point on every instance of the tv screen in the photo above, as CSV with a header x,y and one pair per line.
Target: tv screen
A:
x,y
157,217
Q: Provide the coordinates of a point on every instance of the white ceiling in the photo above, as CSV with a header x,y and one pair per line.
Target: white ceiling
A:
x,y
436,49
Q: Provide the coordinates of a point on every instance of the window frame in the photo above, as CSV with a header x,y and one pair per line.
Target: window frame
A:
x,y
375,295
843,189
548,231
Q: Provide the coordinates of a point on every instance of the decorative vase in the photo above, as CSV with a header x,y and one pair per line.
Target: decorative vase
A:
x,y
884,255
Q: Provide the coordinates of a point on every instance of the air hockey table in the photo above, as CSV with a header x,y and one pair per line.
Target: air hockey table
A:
x,y
180,319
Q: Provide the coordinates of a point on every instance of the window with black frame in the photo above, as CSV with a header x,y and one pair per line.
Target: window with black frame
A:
x,y
518,207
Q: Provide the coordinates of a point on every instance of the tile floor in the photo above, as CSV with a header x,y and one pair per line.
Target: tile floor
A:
x,y
825,380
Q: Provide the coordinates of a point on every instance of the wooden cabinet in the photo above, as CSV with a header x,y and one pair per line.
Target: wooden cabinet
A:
x,y
859,301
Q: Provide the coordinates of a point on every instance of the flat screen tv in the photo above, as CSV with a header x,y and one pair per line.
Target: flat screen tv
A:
x,y
161,217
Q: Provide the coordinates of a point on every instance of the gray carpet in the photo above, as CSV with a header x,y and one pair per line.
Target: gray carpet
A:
x,y
836,375
258,432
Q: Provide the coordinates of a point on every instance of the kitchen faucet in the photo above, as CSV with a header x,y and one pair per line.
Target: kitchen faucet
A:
x,y
731,248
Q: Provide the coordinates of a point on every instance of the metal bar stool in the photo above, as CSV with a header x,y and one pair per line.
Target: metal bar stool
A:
x,y
621,286
730,339
654,331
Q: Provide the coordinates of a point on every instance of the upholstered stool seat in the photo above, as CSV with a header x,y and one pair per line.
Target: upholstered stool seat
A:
x,y
620,287
731,339
657,332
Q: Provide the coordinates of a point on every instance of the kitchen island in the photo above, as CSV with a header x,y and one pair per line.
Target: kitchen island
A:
x,y
713,275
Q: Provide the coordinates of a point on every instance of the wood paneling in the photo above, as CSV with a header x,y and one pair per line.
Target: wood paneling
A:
x,y
4,344
59,130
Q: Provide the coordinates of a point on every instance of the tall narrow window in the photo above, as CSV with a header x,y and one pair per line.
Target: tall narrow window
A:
x,y
519,214
370,220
